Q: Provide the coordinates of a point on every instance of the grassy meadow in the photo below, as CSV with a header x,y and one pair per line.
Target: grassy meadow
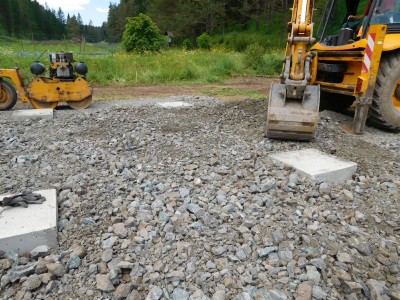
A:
x,y
109,64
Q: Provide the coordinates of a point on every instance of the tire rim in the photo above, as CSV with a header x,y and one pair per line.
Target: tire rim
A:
x,y
4,95
396,96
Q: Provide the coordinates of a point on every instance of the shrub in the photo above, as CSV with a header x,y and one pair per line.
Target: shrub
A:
x,y
239,42
203,41
187,44
141,34
254,57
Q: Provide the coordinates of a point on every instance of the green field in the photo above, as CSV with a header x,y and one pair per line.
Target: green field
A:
x,y
110,64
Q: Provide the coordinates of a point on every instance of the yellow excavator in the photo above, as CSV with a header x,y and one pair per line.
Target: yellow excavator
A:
x,y
66,83
353,64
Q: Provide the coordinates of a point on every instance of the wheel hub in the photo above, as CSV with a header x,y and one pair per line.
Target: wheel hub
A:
x,y
396,96
3,95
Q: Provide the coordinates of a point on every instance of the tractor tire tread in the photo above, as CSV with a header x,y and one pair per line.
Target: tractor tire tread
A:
x,y
375,115
13,95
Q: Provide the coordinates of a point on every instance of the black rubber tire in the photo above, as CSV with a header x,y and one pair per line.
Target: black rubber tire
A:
x,y
382,113
335,102
8,95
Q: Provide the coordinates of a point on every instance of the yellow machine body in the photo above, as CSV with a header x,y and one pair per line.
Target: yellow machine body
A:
x,y
54,90
352,67
46,92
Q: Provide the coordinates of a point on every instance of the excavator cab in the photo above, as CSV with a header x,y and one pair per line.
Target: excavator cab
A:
x,y
353,63
359,64
338,29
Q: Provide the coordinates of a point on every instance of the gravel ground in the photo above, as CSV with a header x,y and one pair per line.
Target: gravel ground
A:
x,y
185,203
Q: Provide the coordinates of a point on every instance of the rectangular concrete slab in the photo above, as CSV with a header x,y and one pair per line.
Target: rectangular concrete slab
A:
x,y
24,114
23,229
317,165
174,104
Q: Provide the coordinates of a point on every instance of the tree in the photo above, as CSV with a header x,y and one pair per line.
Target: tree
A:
x,y
112,23
60,16
73,28
188,18
141,34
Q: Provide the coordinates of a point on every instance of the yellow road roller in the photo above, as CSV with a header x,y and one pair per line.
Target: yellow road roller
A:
x,y
66,83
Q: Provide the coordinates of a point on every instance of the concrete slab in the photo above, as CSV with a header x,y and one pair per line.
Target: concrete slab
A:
x,y
23,229
174,104
317,165
24,114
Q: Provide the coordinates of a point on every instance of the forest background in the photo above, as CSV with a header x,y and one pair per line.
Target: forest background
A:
x,y
246,36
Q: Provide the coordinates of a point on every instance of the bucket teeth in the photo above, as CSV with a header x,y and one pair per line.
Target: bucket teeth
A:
x,y
292,119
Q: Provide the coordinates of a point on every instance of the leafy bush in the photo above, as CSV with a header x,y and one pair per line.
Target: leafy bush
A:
x,y
239,42
141,34
203,41
254,57
187,44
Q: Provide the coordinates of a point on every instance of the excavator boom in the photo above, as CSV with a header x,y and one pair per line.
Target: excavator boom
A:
x,y
294,103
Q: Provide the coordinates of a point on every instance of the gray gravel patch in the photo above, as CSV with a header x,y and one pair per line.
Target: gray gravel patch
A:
x,y
185,203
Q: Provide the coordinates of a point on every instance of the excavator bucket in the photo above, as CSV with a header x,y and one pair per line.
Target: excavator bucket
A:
x,y
292,119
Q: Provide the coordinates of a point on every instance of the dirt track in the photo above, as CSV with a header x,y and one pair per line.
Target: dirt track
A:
x,y
260,85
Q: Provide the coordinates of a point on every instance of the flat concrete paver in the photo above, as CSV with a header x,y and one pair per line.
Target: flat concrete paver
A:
x,y
23,229
317,165
174,104
24,114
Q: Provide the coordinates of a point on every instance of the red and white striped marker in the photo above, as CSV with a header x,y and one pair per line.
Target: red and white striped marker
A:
x,y
368,53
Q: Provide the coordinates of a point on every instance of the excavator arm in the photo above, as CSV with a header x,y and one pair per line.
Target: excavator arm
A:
x,y
294,103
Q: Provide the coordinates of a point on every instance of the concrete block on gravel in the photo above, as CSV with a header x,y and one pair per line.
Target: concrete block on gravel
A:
x,y
174,104
23,229
317,165
24,114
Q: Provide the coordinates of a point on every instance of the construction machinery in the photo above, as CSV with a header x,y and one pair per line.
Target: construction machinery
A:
x,y
66,83
349,66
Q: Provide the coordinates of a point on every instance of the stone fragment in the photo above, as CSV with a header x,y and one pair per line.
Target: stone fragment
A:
x,y
79,251
273,294
18,272
120,230
285,255
107,255
378,289
154,294
277,236
313,274
263,252
243,296
109,243
318,293
342,275
74,262
219,295
349,195
180,294
40,251
134,295
176,275
344,257
198,295
32,283
122,291
56,269
304,291
104,283
350,287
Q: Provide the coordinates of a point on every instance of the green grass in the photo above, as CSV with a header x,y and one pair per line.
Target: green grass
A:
x,y
110,65
239,41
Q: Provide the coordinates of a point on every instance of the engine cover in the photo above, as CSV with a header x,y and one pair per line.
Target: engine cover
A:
x,y
64,72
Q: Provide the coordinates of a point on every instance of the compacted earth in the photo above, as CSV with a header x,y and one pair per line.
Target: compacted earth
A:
x,y
185,203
